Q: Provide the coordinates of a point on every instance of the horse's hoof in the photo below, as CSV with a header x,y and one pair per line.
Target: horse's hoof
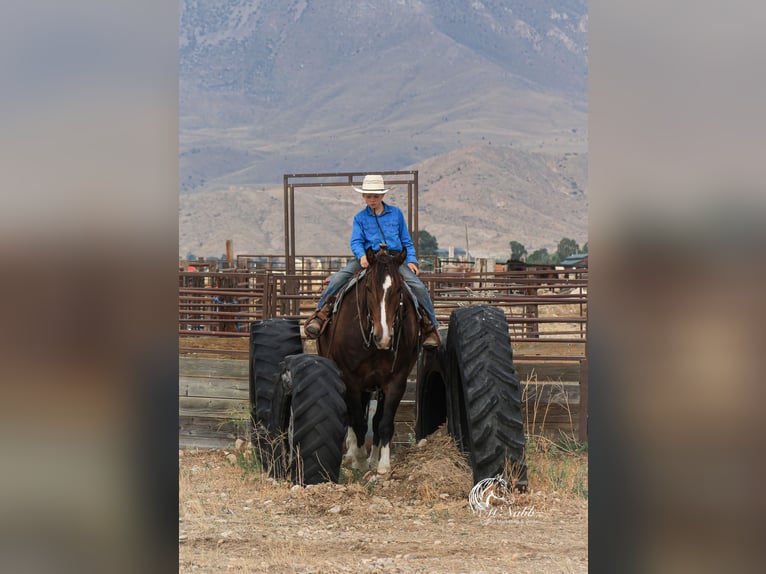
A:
x,y
360,466
383,470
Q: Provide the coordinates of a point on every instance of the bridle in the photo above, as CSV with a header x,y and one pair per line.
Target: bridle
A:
x,y
395,323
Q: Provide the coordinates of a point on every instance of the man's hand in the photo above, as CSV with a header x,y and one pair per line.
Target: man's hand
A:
x,y
414,268
363,262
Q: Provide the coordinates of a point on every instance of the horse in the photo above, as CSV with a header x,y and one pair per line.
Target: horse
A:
x,y
374,339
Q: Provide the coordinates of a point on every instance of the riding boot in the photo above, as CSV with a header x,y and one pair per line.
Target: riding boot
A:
x,y
431,338
313,325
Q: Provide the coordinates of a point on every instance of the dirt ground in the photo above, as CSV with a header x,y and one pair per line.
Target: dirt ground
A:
x,y
233,518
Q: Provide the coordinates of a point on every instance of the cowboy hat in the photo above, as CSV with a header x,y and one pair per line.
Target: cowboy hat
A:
x,y
372,184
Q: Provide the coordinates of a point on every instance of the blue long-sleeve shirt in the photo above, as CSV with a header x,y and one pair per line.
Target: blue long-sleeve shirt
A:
x,y
366,233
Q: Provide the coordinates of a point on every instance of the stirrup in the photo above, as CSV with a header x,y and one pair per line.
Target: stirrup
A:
x,y
313,327
431,337
315,323
432,340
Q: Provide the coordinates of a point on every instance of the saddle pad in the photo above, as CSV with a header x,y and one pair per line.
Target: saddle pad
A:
x,y
351,282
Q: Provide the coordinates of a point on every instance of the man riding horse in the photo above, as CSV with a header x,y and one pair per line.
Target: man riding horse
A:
x,y
379,225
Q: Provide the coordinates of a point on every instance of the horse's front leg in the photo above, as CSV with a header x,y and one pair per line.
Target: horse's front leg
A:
x,y
375,450
356,451
385,426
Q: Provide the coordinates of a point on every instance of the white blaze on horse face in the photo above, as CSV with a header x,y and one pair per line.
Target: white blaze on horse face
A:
x,y
385,337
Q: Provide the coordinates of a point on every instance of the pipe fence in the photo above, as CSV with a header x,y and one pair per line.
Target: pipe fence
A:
x,y
541,305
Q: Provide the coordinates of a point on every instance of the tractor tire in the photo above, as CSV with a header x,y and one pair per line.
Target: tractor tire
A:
x,y
308,420
432,396
271,340
485,393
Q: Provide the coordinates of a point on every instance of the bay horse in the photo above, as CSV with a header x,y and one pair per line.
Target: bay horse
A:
x,y
373,338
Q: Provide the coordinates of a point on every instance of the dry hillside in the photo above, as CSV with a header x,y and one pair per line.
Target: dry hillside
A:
x,y
498,194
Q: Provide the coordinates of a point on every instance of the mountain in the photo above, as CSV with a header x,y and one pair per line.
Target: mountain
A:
x,y
497,88
492,194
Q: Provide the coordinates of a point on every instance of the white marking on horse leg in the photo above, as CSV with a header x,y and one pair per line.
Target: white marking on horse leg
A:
x,y
374,456
350,440
357,454
384,465
385,337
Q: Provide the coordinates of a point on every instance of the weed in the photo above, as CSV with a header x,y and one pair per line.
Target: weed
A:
x,y
370,486
567,442
437,516
554,462
249,462
558,466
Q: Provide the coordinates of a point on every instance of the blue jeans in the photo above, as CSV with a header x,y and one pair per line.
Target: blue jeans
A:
x,y
414,284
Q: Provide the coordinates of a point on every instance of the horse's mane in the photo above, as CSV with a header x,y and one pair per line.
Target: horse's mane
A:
x,y
383,262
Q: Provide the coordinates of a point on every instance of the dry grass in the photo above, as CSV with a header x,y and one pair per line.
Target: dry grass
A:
x,y
433,468
557,461
541,398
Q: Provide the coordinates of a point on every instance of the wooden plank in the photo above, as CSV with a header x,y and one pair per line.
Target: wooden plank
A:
x,y
211,432
548,371
554,427
551,408
214,402
204,442
559,393
216,368
536,412
540,347
209,426
546,418
551,414
201,367
211,407
238,389
551,419
205,432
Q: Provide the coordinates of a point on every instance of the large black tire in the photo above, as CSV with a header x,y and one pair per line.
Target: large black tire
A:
x,y
432,390
271,340
308,420
485,393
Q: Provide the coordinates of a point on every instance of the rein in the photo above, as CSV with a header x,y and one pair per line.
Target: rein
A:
x,y
365,338
395,323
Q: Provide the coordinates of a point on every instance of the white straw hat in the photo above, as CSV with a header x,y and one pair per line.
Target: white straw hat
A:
x,y
372,184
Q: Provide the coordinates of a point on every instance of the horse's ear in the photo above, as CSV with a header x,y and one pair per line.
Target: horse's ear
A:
x,y
370,255
401,257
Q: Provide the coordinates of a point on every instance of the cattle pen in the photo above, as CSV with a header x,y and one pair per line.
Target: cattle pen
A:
x,y
546,314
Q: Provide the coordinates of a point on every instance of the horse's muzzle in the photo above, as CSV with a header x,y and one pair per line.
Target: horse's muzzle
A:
x,y
382,342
